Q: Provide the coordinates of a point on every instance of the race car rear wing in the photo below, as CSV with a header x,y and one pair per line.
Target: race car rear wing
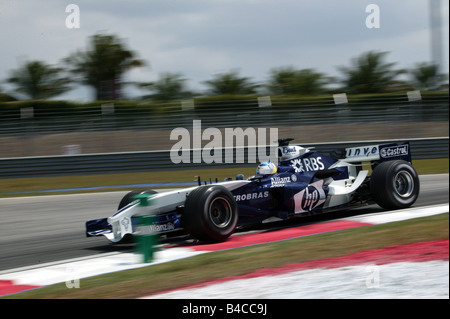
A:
x,y
378,153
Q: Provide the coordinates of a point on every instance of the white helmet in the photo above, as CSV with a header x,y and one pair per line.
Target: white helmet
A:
x,y
266,168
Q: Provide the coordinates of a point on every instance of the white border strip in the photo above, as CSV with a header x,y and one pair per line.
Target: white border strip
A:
x,y
403,214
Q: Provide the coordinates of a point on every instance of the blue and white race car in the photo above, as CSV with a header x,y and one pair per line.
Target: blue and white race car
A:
x,y
305,182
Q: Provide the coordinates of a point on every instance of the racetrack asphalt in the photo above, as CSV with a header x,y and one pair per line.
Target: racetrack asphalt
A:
x,y
41,229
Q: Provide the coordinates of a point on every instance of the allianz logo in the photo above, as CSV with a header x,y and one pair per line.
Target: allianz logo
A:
x,y
280,181
151,229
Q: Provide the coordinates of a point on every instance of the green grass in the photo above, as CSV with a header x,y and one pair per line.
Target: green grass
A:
x,y
29,185
109,180
156,278
431,166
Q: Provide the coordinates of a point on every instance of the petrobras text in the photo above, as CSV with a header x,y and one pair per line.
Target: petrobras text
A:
x,y
249,196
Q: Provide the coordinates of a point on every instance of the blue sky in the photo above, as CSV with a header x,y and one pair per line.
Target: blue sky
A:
x,y
201,38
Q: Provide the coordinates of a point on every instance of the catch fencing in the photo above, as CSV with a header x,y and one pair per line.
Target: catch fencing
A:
x,y
142,127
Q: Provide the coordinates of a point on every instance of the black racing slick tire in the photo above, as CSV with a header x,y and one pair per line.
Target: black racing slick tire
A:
x,y
394,184
128,198
210,213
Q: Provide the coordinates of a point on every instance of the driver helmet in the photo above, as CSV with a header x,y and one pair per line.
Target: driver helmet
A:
x,y
266,168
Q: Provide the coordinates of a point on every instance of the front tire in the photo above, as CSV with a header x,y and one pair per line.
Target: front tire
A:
x,y
128,198
210,213
394,184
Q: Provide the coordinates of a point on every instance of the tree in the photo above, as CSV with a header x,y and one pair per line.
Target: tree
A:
x,y
369,73
425,76
5,97
103,64
170,86
287,81
38,80
231,83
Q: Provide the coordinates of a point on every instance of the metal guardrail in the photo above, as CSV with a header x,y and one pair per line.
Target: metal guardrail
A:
x,y
160,160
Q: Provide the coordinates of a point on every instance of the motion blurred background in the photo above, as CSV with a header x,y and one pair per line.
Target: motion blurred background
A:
x,y
119,77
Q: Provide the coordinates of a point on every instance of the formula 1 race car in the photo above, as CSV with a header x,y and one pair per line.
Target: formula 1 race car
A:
x,y
305,182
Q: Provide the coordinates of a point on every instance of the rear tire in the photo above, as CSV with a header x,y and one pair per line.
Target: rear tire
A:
x,y
394,184
210,213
